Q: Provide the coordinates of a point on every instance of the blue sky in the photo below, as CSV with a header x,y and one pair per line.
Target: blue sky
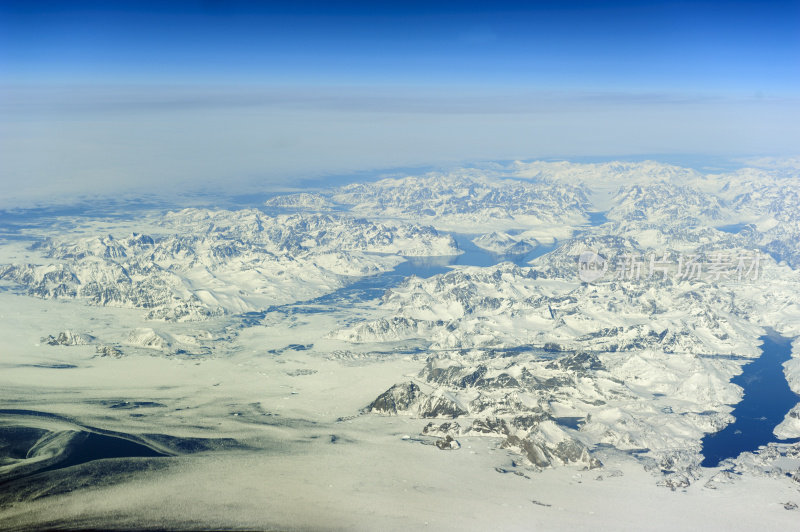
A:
x,y
196,93
698,46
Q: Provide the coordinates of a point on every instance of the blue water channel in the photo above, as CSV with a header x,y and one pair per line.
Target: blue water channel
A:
x,y
767,399
374,286
736,228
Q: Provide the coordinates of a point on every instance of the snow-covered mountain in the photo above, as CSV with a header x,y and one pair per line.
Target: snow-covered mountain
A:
x,y
774,208
305,201
667,204
507,305
478,199
599,175
503,244
208,263
509,340
598,367
465,200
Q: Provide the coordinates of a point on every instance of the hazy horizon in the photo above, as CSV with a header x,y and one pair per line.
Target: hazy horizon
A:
x,y
143,97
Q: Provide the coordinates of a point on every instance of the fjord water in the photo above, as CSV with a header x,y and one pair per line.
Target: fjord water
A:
x,y
767,399
375,286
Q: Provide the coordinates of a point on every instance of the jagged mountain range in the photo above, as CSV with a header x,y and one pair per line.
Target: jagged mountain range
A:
x,y
209,263
511,352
